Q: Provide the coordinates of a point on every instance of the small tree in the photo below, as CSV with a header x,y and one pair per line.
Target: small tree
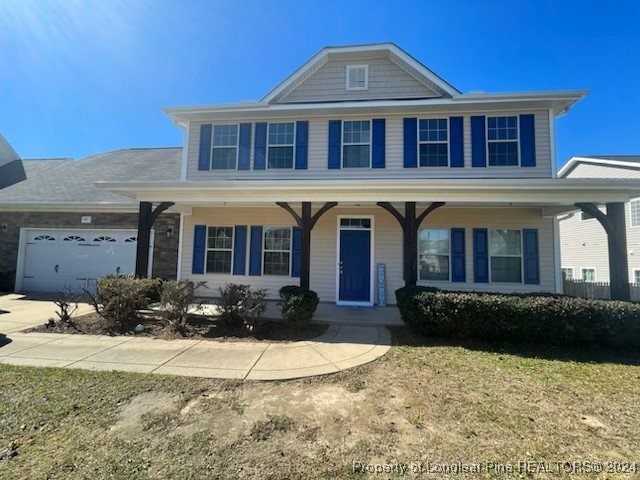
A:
x,y
67,303
177,298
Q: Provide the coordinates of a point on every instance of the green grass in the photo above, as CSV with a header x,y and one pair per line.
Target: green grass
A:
x,y
424,401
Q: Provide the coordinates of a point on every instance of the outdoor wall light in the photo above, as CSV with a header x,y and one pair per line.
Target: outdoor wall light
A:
x,y
169,232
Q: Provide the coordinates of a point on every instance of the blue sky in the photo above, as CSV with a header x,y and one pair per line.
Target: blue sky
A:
x,y
84,76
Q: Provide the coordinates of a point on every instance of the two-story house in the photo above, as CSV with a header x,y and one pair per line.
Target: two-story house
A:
x,y
365,157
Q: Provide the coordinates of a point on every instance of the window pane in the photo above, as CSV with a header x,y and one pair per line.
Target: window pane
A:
x,y
280,157
433,130
219,261
281,134
567,273
502,128
276,263
355,222
220,237
504,242
434,267
224,159
634,211
433,241
503,153
636,275
355,156
277,238
225,135
433,155
356,132
506,269
588,275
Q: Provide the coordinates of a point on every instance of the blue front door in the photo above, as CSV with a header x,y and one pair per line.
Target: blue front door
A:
x,y
355,267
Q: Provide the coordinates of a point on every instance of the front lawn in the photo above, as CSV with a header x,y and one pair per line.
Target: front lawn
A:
x,y
423,402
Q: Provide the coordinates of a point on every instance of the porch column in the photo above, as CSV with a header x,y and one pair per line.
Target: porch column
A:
x,y
410,224
614,223
146,218
306,222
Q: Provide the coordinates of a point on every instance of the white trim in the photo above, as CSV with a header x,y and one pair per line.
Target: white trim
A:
x,y
348,73
343,144
180,246
185,151
573,162
207,249
557,259
293,147
517,140
552,144
595,274
371,231
426,142
264,250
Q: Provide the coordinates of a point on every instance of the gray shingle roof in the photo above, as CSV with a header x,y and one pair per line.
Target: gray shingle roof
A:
x,y
68,181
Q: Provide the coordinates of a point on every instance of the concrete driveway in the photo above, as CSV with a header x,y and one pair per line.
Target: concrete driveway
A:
x,y
339,348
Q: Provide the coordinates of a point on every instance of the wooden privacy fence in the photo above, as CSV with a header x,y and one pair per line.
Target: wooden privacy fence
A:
x,y
601,290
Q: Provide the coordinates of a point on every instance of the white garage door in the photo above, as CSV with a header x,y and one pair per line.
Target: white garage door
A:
x,y
55,259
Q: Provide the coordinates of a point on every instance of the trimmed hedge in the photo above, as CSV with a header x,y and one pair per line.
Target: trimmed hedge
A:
x,y
554,319
298,305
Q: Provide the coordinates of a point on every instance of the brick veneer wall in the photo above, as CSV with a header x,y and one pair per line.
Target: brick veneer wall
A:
x,y
165,250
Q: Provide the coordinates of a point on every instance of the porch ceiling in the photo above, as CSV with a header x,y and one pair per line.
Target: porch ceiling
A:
x,y
547,192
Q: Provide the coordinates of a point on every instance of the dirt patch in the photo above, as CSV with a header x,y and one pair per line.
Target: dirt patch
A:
x,y
592,422
198,327
132,415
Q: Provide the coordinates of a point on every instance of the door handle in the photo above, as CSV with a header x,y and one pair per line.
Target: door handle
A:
x,y
56,268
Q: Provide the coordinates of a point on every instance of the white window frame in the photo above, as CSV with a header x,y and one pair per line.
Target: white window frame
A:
x,y
207,249
349,69
513,256
595,274
226,146
573,272
448,229
517,140
293,146
427,142
343,143
636,271
631,223
264,250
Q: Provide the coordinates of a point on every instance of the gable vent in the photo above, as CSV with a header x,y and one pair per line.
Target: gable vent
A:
x,y
357,77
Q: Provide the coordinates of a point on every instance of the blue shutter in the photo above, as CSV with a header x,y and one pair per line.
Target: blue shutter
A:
x,y
378,143
260,147
410,126
255,251
458,267
302,144
478,142
480,255
296,250
527,141
239,250
531,256
204,158
456,142
335,143
245,146
199,246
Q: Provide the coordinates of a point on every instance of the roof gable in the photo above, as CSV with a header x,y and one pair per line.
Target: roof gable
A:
x,y
393,74
613,163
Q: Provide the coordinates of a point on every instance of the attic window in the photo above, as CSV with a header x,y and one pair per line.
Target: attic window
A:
x,y
357,77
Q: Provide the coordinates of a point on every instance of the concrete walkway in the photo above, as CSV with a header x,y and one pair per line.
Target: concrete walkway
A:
x,y
339,348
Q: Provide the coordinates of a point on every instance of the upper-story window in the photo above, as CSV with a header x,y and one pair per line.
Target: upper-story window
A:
x,y
502,140
224,150
357,77
433,140
634,212
356,144
281,141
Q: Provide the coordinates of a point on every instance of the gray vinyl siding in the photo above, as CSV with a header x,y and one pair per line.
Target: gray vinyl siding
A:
x,y
386,81
387,246
318,148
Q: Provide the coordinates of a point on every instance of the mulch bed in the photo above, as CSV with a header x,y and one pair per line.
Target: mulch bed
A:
x,y
198,327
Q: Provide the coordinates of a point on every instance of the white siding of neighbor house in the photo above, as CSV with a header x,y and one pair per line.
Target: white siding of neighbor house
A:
x,y
318,152
387,248
386,81
584,243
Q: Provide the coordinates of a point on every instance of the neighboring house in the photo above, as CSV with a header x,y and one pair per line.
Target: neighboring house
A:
x,y
57,228
583,239
11,168
335,170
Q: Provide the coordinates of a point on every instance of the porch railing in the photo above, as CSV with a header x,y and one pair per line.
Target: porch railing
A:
x,y
600,290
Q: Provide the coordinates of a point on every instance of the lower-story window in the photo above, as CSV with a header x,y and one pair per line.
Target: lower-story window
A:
x,y
505,250
567,273
589,274
219,249
636,277
277,251
433,253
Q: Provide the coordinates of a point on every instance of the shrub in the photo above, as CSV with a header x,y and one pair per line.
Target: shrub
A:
x,y
298,305
154,288
177,298
118,298
553,319
67,303
241,304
